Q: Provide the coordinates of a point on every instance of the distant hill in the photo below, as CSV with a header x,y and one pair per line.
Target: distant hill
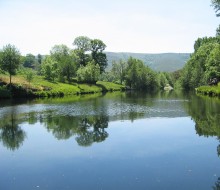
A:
x,y
168,62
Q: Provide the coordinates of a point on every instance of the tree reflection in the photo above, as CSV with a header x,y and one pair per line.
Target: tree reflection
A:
x,y
87,129
217,185
11,135
92,129
206,114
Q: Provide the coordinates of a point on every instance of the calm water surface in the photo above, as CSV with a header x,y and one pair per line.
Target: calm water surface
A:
x,y
114,141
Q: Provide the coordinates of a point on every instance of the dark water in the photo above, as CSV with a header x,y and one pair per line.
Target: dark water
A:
x,y
114,141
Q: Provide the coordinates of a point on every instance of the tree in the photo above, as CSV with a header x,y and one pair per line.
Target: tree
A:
x,y
90,73
82,43
61,54
218,31
213,63
10,60
83,46
140,76
203,64
97,48
49,68
29,76
119,70
30,61
216,5
39,58
162,80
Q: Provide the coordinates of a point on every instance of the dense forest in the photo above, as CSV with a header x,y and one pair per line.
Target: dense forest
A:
x,y
86,62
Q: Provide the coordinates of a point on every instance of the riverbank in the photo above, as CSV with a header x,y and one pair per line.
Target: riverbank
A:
x,y
213,91
39,87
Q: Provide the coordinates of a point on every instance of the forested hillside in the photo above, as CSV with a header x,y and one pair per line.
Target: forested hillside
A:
x,y
167,62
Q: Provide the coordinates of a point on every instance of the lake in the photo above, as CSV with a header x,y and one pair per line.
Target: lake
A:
x,y
117,141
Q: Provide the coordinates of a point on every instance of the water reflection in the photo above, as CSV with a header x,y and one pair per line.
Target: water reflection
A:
x,y
11,134
217,185
152,138
86,119
87,129
206,114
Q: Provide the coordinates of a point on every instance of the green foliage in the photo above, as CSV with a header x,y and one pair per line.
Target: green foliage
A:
x,y
109,86
209,90
119,70
30,61
83,46
29,76
162,80
82,43
39,58
140,76
89,73
108,77
201,41
216,5
203,65
49,68
97,48
61,54
10,59
218,31
213,63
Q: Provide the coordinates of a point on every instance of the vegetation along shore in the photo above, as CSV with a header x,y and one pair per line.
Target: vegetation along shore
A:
x,y
84,69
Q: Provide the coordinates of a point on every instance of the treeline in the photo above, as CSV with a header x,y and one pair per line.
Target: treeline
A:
x,y
136,75
86,62
204,63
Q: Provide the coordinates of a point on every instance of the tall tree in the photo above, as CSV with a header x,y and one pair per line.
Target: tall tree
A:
x,y
82,44
10,60
97,48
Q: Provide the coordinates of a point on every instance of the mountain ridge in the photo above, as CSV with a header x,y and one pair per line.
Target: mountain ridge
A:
x,y
164,62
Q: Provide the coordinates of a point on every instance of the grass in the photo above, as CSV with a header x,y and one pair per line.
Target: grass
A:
x,y
209,90
39,87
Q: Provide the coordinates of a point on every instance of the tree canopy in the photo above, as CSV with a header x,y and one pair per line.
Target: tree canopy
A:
x,y
10,59
216,5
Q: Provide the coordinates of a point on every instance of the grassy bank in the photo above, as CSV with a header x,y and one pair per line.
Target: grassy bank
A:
x,y
39,87
209,90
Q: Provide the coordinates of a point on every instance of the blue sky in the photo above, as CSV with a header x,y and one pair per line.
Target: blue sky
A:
x,y
143,26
